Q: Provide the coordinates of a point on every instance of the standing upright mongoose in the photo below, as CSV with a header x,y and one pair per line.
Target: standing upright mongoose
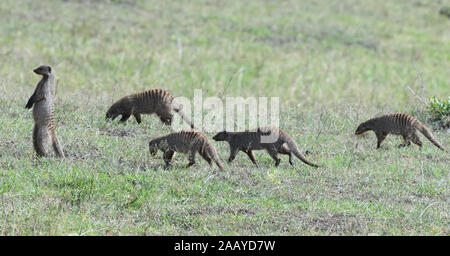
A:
x,y
157,101
397,124
187,142
43,99
250,140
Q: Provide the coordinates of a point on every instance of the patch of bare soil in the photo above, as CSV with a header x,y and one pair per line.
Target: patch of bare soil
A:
x,y
118,131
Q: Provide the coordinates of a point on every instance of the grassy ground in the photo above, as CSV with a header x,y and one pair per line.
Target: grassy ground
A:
x,y
332,63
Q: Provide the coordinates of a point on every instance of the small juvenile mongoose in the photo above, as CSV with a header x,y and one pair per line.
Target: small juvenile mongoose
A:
x,y
250,140
157,101
43,99
187,142
397,124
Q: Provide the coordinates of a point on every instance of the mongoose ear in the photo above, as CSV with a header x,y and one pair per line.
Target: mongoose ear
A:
x,y
49,69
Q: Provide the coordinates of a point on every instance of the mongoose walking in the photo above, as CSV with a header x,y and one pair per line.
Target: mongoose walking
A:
x,y
187,142
43,99
250,140
157,101
397,124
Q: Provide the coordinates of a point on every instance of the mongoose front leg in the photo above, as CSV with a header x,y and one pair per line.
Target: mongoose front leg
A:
x,y
124,118
168,156
31,101
251,156
138,117
233,152
34,99
191,159
380,137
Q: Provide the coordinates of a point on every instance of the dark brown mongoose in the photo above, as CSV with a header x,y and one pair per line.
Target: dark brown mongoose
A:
x,y
187,142
43,99
397,124
157,101
250,140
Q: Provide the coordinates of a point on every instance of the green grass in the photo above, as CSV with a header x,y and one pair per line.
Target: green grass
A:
x,y
333,64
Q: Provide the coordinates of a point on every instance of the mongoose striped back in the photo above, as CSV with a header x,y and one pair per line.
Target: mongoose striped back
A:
x,y
398,124
188,142
154,101
247,141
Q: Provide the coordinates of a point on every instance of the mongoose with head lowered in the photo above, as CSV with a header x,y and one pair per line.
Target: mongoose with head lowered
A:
x,y
43,99
157,101
187,142
250,140
397,124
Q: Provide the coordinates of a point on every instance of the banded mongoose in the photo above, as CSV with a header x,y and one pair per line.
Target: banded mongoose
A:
x,y
43,99
187,142
250,140
397,124
157,101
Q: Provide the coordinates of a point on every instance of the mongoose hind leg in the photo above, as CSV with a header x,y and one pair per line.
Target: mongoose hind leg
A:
x,y
286,151
39,141
416,140
57,147
274,154
168,156
406,142
166,119
207,158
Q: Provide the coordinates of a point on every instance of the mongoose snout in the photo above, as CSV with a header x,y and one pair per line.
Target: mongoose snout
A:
x,y
361,129
221,136
43,70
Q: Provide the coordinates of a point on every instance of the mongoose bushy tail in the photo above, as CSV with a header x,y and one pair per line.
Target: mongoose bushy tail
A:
x,y
43,100
187,142
398,124
250,140
154,101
